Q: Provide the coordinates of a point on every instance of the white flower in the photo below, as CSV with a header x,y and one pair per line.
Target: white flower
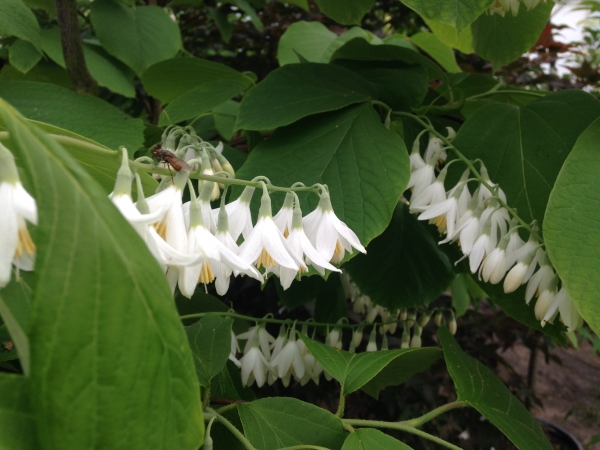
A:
x,y
254,367
289,361
334,338
569,314
541,279
545,300
283,219
239,214
235,348
484,192
264,340
494,266
416,161
421,178
483,246
280,342
330,236
431,195
445,214
434,151
372,345
17,206
470,229
515,277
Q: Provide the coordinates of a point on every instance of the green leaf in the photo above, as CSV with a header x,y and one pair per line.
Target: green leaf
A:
x,y
456,13
345,12
225,116
23,55
404,266
222,22
502,40
365,166
16,19
18,430
47,5
524,147
210,342
228,384
105,70
250,11
43,72
295,91
15,306
278,422
200,100
460,294
171,79
437,49
449,35
81,114
371,439
371,371
105,300
571,225
139,36
480,388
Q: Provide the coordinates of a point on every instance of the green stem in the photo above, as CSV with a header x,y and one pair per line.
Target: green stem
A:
x,y
224,409
401,427
302,446
417,422
206,400
469,164
231,427
342,404
496,90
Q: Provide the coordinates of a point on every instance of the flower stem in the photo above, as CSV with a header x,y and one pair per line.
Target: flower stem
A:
x,y
209,414
417,422
496,90
226,408
469,164
401,427
342,404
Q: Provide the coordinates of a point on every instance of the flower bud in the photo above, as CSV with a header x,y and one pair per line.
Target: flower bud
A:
x,y
437,319
411,318
424,319
415,342
384,343
405,343
515,277
372,345
403,314
452,326
357,336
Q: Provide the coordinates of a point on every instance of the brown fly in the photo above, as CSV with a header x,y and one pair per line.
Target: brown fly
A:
x,y
166,156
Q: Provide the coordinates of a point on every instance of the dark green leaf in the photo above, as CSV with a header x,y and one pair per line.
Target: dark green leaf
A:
x,y
295,91
16,19
139,36
364,165
345,12
203,303
524,147
460,294
449,35
228,384
480,388
23,55
456,13
225,116
18,430
43,72
222,22
200,100
81,114
371,439
277,422
571,225
170,79
437,49
502,40
210,342
404,266
102,310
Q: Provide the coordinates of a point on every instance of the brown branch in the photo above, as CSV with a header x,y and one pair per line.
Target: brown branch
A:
x,y
70,38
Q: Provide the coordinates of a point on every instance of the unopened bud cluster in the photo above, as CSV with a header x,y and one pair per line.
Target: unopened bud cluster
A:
x,y
486,234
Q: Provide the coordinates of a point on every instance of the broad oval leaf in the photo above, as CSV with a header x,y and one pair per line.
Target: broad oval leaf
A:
x,y
404,266
168,80
139,36
490,32
571,225
105,300
81,114
18,430
16,19
345,11
278,422
524,147
437,49
365,166
308,39
372,439
210,342
295,91
456,13
23,55
480,388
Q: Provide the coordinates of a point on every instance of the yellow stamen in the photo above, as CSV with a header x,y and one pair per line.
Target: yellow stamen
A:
x,y
338,253
440,221
265,260
286,232
24,243
206,273
161,229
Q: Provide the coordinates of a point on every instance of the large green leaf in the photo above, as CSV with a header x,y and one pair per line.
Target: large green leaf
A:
x,y
23,55
200,100
16,19
403,267
105,70
571,225
170,79
364,165
295,91
371,439
139,36
524,147
107,345
371,371
449,35
437,49
210,342
278,422
345,11
480,388
43,72
18,430
228,384
502,40
456,13
81,114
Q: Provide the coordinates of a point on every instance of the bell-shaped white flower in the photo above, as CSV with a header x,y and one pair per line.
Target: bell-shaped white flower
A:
x,y
254,367
545,299
435,152
444,214
521,272
266,245
416,161
569,314
235,348
263,338
17,207
283,219
279,342
469,228
289,361
329,235
493,268
482,247
541,279
421,178
207,170
517,251
239,214
431,195
484,193
372,344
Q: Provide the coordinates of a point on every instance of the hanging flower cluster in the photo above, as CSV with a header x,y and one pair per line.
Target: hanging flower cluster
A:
x,y
195,244
503,6
18,207
487,235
